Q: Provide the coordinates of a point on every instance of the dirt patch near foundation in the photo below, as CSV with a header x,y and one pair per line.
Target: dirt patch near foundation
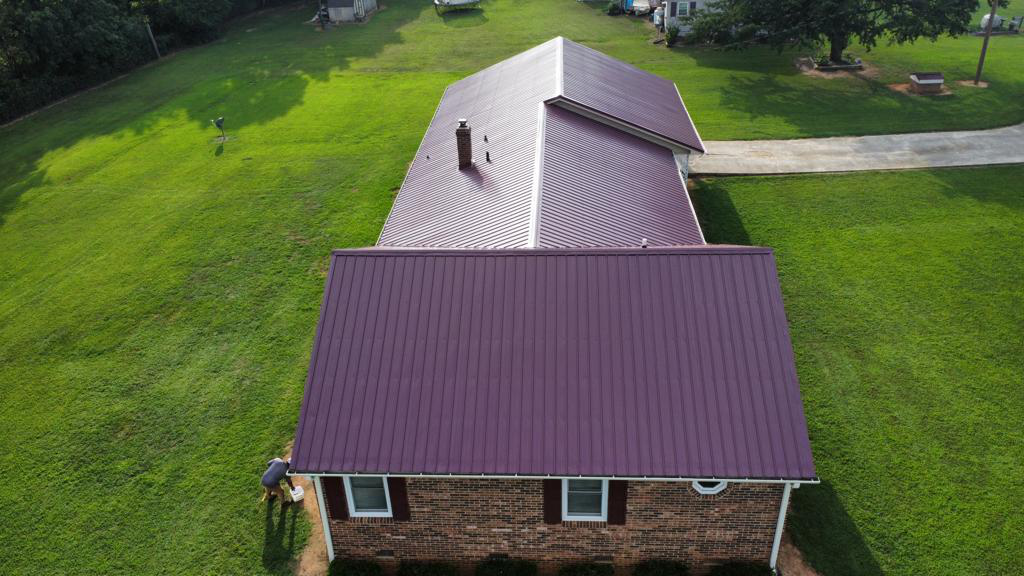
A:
x,y
313,560
791,560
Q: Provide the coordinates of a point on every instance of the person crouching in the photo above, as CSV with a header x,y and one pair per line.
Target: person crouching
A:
x,y
277,470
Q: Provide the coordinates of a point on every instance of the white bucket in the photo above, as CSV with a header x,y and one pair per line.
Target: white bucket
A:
x,y
297,494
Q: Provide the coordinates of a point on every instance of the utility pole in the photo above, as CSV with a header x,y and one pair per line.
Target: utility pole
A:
x,y
984,44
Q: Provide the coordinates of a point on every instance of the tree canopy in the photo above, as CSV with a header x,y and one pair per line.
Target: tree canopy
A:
x,y
50,48
832,22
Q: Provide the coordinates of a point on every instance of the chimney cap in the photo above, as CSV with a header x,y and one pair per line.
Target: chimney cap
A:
x,y
463,122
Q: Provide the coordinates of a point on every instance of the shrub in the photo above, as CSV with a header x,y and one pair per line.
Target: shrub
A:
x,y
353,567
671,35
614,8
505,567
586,569
661,568
741,569
414,568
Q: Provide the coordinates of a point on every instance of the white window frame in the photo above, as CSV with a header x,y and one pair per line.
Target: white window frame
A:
x,y
716,489
683,10
584,518
352,505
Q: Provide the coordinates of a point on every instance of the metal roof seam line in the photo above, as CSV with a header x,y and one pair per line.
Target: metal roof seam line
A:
x,y
599,347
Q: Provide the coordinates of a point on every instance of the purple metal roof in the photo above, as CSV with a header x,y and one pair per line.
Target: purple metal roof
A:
x,y
665,362
488,206
492,204
601,187
627,93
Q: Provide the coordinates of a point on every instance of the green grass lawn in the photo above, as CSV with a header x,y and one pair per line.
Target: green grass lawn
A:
x,y
905,296
159,292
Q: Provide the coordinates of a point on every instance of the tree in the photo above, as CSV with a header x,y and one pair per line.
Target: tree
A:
x,y
835,22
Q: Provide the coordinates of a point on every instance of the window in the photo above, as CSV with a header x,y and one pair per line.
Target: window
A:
x,y
709,487
684,9
368,496
585,500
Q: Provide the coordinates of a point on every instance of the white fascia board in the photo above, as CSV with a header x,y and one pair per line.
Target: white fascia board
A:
x,y
680,159
794,482
538,172
690,118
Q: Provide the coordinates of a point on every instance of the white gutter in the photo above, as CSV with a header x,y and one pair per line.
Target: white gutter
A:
x,y
788,482
538,169
323,517
779,525
559,65
683,167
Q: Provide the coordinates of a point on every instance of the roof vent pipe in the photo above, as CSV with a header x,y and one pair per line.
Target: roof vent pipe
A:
x,y
643,242
464,143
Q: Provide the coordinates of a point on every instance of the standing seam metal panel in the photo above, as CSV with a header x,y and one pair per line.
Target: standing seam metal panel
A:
x,y
667,362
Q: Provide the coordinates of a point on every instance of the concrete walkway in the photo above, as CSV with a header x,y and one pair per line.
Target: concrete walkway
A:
x,y
887,152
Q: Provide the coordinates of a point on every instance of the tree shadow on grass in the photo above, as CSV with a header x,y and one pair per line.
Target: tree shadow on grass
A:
x,y
999,184
759,59
826,535
467,18
279,537
719,221
249,79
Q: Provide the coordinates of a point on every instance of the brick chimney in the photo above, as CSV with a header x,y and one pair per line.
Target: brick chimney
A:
x,y
464,143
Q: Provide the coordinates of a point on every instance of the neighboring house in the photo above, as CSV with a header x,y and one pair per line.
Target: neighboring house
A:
x,y
511,372
676,13
349,10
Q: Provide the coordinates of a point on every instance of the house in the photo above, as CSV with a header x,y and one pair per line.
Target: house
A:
x,y
542,358
555,130
676,12
349,10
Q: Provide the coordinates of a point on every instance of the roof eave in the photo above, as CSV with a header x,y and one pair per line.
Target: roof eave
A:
x,y
634,478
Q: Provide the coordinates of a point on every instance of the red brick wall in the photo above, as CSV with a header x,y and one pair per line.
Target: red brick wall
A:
x,y
466,520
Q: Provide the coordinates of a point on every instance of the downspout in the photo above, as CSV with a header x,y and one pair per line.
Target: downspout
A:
x,y
327,526
779,525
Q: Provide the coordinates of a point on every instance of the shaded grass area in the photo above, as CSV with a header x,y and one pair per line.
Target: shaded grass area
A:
x,y
759,94
905,296
159,289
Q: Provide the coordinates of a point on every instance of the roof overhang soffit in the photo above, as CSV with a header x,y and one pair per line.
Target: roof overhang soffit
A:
x,y
575,107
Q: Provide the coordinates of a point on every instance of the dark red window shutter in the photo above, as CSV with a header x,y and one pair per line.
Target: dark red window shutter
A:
x,y
693,6
672,7
334,495
552,501
399,499
617,492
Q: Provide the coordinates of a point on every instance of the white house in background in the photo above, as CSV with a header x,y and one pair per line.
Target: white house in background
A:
x,y
349,10
674,11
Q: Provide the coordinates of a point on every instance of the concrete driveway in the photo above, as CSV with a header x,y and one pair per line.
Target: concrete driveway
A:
x,y
887,152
